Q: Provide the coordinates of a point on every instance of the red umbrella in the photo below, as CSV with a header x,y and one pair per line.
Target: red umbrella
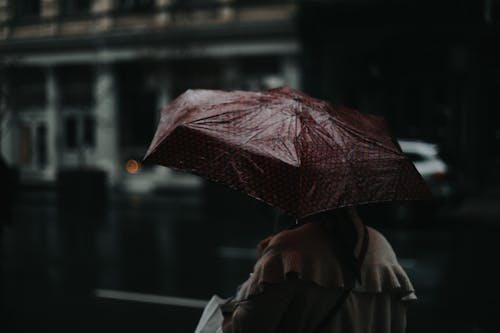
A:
x,y
293,152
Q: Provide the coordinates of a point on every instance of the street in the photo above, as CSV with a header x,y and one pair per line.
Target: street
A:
x,y
58,266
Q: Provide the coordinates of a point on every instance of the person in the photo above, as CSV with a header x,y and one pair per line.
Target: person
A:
x,y
327,273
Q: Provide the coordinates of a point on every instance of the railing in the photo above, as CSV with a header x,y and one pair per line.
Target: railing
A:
x,y
183,6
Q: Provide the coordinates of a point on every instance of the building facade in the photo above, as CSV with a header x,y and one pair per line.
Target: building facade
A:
x,y
83,81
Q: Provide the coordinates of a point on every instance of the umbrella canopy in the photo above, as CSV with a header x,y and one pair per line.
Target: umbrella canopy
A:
x,y
280,146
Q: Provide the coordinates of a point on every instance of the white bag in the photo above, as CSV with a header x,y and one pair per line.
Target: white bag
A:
x,y
212,318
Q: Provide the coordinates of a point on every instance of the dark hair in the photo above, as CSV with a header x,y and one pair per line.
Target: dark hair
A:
x,y
339,225
282,220
341,229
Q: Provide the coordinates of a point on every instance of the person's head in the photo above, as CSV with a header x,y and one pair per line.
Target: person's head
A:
x,y
282,220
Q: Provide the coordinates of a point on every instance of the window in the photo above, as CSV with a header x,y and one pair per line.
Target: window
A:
x,y
75,86
26,88
76,97
26,8
89,131
74,7
33,152
41,146
79,131
70,129
25,143
135,5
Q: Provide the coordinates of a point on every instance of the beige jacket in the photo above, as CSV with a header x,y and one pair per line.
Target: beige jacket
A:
x,y
270,303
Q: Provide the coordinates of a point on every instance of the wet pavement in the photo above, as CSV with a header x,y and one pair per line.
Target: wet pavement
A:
x,y
182,245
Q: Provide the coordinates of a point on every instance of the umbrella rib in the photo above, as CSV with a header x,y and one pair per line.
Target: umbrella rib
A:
x,y
299,156
290,152
364,138
218,115
261,130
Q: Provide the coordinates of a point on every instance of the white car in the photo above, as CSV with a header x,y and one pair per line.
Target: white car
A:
x,y
435,172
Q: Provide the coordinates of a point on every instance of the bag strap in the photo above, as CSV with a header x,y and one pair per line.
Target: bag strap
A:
x,y
345,293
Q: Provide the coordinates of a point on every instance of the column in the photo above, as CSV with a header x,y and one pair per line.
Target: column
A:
x,y
106,121
53,123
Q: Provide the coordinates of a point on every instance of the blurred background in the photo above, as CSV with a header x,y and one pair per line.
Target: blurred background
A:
x,y
93,239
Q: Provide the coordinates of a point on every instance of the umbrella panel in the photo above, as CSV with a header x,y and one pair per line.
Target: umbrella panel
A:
x,y
198,153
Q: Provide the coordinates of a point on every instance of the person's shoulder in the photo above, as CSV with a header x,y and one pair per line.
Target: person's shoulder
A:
x,y
379,247
381,271
376,235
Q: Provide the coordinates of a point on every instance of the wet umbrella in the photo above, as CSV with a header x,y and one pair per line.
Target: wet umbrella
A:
x,y
282,147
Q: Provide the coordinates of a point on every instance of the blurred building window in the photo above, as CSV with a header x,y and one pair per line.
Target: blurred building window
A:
x,y
25,143
41,146
76,98
26,88
22,9
89,131
76,83
71,135
134,5
79,130
74,7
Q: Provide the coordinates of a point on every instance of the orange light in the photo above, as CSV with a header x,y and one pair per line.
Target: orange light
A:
x,y
133,166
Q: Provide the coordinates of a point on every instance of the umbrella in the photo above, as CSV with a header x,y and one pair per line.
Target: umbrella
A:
x,y
289,150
